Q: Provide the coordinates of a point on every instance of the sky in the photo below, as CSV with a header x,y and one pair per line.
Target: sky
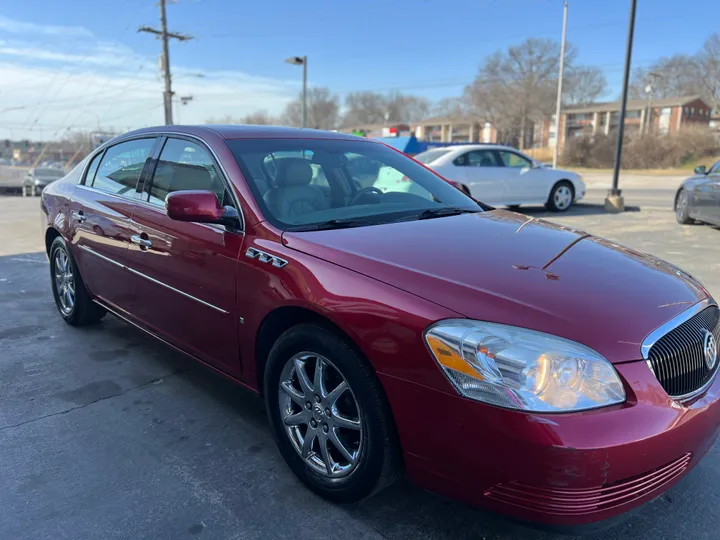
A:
x,y
80,65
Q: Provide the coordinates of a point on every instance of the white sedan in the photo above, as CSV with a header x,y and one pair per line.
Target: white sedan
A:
x,y
504,176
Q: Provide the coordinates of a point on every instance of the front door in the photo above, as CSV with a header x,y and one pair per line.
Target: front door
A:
x,y
524,183
714,211
484,175
101,210
705,195
185,273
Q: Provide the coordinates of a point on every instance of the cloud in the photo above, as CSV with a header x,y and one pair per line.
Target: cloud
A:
x,y
49,88
13,26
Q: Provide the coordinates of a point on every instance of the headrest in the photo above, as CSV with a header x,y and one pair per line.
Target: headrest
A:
x,y
293,172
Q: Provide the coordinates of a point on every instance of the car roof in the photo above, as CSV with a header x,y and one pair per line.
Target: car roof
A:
x,y
478,146
239,131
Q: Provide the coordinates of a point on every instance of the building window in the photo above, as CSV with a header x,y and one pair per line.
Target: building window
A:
x,y
692,111
632,114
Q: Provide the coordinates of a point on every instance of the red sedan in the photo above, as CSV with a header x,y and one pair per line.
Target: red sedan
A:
x,y
523,366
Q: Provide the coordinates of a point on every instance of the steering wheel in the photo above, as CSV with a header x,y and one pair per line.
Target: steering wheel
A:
x,y
364,191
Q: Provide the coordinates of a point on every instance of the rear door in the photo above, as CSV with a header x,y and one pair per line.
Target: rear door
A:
x,y
102,206
524,183
484,175
185,273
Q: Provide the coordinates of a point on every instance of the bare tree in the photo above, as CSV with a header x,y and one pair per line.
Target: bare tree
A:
x,y
583,84
406,108
450,106
517,85
323,110
673,76
708,60
374,108
258,118
364,108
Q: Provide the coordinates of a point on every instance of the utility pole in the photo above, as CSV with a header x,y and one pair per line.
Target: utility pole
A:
x,y
560,86
301,61
165,36
614,201
649,90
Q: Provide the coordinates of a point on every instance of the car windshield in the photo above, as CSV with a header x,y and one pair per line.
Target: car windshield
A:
x,y
51,173
431,155
307,184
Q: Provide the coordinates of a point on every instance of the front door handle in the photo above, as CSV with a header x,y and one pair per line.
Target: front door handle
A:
x,y
140,241
80,216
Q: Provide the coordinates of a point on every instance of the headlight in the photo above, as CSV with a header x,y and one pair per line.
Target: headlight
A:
x,y
522,369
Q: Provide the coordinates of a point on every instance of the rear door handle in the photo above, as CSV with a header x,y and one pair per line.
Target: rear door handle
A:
x,y
79,216
140,241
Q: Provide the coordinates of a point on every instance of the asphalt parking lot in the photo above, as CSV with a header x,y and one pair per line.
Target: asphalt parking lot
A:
x,y
108,434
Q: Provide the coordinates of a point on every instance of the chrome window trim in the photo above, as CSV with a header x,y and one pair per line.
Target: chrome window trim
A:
x,y
669,326
177,134
103,192
203,302
204,144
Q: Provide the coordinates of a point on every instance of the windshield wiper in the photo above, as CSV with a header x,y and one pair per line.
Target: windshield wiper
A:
x,y
334,224
445,211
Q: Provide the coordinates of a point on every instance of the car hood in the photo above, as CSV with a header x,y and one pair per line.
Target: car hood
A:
x,y
505,267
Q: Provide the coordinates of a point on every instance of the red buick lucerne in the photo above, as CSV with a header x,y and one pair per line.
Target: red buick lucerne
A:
x,y
529,368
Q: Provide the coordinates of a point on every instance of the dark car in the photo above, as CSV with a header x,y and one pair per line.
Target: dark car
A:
x,y
516,364
38,178
698,198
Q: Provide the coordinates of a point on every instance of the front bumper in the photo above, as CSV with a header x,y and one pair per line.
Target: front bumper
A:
x,y
554,469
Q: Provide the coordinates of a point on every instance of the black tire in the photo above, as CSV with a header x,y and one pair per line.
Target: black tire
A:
x,y
83,310
682,208
379,462
553,204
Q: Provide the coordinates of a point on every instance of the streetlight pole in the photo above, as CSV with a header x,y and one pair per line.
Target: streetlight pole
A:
x,y
301,61
560,86
614,201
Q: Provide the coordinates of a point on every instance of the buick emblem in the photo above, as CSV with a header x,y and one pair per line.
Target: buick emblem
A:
x,y
710,350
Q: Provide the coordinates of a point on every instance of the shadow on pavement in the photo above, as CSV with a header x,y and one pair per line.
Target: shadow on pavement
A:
x,y
579,209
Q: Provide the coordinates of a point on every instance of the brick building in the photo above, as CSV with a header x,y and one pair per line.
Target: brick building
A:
x,y
667,117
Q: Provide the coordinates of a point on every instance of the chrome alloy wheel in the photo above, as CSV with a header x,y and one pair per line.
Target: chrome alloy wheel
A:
x,y
320,414
64,281
562,197
681,206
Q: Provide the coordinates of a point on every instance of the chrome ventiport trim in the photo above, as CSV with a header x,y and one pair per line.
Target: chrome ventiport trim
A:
x,y
191,297
673,323
265,257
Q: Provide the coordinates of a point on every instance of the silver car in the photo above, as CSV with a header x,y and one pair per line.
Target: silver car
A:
x,y
37,178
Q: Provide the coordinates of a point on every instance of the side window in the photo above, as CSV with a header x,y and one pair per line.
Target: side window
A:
x,y
121,166
516,161
481,158
185,165
715,169
92,169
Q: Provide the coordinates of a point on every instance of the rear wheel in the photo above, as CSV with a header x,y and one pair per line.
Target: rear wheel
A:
x,y
71,297
561,197
682,210
329,415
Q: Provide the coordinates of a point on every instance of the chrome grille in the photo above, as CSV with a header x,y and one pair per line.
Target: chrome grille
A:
x,y
677,358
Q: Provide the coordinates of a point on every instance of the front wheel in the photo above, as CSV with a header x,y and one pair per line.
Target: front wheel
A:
x,y
561,197
682,210
329,415
71,297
